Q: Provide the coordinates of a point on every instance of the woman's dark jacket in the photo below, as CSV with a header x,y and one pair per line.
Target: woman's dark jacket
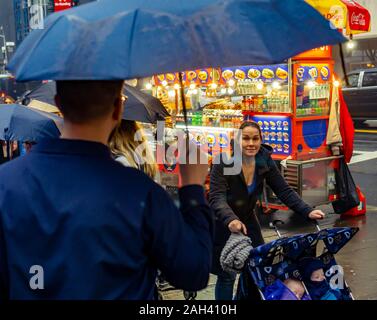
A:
x,y
229,199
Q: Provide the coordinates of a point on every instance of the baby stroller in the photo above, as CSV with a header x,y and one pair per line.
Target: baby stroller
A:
x,y
269,265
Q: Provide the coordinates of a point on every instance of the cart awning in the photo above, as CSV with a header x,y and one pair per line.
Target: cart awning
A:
x,y
344,14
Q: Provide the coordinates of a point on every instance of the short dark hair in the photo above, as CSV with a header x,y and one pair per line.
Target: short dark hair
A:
x,y
82,101
252,124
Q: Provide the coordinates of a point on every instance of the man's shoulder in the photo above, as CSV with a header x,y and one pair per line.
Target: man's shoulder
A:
x,y
133,175
121,166
139,182
13,166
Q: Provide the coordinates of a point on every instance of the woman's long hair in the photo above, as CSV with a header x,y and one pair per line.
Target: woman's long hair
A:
x,y
125,140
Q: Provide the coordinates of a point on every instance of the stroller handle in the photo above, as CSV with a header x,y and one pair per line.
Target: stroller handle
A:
x,y
274,225
317,225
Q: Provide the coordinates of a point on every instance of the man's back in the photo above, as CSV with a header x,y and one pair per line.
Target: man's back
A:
x,y
90,223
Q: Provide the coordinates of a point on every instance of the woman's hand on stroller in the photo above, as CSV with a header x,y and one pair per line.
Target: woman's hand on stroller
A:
x,y
316,215
236,226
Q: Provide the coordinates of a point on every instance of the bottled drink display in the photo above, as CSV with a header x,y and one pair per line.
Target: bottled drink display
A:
x,y
313,101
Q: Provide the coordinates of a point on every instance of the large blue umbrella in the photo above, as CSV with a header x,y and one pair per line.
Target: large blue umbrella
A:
x,y
139,106
21,123
118,39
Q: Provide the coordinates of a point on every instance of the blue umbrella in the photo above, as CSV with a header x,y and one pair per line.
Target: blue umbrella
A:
x,y
139,106
21,123
118,39
44,93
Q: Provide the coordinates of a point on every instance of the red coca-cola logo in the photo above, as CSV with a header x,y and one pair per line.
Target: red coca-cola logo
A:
x,y
358,19
60,5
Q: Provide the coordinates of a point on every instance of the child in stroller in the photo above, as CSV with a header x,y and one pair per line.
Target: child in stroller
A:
x,y
315,280
296,287
281,269
289,289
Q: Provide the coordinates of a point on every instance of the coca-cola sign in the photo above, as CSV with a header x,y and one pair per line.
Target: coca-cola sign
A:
x,y
358,19
60,5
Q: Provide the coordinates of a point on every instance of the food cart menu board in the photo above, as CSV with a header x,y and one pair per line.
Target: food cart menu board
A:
x,y
268,73
277,132
313,72
215,141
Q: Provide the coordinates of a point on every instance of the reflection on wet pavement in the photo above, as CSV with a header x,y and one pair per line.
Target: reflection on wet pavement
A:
x,y
358,258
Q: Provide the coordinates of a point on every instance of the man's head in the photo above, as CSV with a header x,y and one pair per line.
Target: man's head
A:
x,y
86,104
84,101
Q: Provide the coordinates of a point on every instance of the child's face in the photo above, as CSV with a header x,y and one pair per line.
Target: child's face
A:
x,y
318,275
298,290
296,287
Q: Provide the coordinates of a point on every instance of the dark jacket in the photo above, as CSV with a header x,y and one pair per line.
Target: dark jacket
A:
x,y
98,229
229,199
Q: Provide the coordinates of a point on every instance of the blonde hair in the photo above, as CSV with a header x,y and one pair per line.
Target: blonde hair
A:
x,y
125,140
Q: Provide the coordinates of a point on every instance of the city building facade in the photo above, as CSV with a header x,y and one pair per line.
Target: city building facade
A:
x,y
17,19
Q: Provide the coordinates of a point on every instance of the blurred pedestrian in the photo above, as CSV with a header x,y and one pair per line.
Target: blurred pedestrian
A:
x,y
130,147
27,145
3,151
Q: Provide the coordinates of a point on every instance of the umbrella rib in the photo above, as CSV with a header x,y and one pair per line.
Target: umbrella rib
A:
x,y
130,42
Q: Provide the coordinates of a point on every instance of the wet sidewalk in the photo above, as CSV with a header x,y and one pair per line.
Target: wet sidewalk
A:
x,y
358,258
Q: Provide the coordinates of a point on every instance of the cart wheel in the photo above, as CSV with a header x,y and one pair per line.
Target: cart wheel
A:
x,y
189,295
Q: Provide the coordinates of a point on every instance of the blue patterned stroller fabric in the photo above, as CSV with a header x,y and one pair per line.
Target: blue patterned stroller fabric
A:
x,y
296,246
336,238
270,264
261,254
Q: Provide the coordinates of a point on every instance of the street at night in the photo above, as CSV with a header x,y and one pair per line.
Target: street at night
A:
x,y
215,150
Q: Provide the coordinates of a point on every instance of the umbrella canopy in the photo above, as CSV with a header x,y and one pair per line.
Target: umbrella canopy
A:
x,y
139,106
344,14
143,107
21,123
117,39
44,93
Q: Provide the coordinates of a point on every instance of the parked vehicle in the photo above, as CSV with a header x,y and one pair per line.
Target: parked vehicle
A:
x,y
361,95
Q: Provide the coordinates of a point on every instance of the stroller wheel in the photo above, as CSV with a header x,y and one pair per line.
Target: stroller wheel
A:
x,y
189,295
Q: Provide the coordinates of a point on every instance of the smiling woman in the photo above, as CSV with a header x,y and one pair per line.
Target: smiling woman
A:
x,y
233,198
251,138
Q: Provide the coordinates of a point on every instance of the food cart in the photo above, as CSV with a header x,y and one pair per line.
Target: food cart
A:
x,y
290,101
